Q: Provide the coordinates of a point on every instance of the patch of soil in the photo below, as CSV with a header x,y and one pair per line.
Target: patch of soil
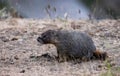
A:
x,y
22,55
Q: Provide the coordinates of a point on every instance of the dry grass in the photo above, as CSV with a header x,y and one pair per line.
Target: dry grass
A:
x,y
18,43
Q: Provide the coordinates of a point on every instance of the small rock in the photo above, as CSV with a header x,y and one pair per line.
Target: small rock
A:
x,y
112,64
16,57
100,66
3,59
13,39
24,51
32,56
4,39
22,71
11,62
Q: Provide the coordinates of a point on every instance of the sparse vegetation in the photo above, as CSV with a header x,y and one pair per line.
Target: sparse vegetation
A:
x,y
20,52
7,11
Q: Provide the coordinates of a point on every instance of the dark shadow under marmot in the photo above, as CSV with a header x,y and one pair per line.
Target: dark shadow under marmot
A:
x,y
72,45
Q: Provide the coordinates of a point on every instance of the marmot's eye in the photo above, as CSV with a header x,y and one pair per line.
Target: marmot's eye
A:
x,y
44,36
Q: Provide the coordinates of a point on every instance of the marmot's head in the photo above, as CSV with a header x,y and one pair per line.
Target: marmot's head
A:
x,y
49,36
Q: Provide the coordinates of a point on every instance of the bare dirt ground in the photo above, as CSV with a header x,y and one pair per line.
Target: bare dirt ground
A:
x,y
20,53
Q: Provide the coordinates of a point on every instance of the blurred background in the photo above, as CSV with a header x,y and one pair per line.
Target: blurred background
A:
x,y
71,9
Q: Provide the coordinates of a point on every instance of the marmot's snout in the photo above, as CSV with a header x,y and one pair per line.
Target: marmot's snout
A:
x,y
43,39
40,40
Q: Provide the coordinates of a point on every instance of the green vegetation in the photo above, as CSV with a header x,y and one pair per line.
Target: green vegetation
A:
x,y
111,71
88,2
3,4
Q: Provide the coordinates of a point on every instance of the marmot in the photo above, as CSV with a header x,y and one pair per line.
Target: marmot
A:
x,y
71,45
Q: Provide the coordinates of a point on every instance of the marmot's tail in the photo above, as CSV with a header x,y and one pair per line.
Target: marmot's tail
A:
x,y
100,55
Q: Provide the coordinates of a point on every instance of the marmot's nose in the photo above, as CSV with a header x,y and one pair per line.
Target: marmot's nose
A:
x,y
39,39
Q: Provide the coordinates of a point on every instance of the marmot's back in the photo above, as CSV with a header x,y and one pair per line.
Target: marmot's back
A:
x,y
76,43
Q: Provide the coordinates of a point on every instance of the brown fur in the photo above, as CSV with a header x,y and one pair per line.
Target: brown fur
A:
x,y
100,55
